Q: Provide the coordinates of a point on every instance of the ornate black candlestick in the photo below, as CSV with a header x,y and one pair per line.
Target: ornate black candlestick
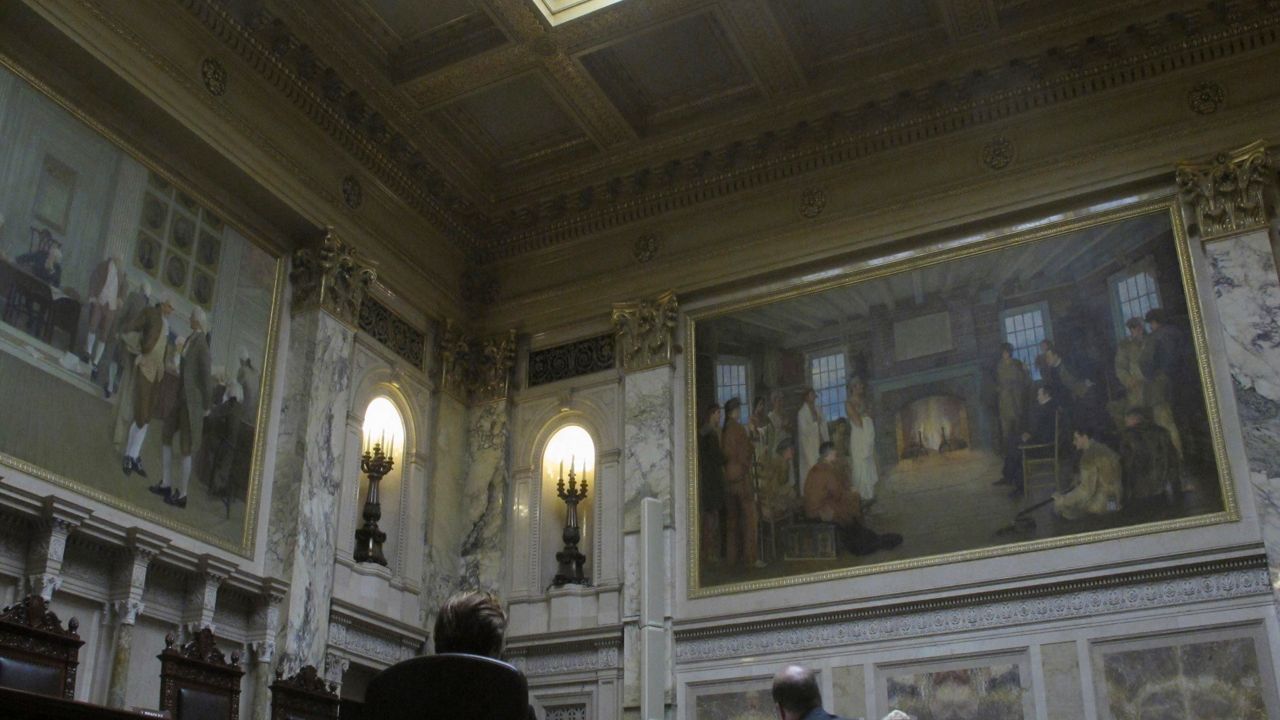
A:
x,y
569,571
369,538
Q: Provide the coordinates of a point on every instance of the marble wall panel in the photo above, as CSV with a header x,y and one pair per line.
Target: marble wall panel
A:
x,y
1064,698
443,534
484,495
849,691
648,427
305,498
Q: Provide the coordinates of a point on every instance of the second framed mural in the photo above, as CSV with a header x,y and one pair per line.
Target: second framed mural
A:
x,y
1013,394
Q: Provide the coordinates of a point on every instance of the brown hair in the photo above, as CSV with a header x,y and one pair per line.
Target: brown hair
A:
x,y
471,622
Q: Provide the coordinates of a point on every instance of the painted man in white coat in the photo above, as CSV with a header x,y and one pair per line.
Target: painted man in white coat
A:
x,y
811,432
862,449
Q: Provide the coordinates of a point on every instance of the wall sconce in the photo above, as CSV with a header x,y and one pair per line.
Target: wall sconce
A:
x,y
570,560
378,459
570,445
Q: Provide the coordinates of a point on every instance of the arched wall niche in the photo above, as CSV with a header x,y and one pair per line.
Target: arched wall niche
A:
x,y
403,489
538,514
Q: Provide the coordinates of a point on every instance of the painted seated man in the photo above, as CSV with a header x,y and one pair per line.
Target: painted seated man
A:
x,y
1041,430
828,497
1150,469
1097,492
778,496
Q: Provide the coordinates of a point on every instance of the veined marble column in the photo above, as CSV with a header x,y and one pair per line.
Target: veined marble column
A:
x,y
1229,203
126,605
328,285
266,625
647,347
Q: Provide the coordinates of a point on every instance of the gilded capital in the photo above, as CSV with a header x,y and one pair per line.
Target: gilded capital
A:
x,y
330,276
476,368
646,331
1231,193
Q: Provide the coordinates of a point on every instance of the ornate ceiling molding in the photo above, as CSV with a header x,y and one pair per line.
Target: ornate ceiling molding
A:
x,y
270,47
1173,42
1139,53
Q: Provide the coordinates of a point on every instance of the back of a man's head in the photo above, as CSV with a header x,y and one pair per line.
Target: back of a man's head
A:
x,y
795,690
471,622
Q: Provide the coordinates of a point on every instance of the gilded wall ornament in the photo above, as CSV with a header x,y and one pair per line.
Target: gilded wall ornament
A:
x,y
214,76
997,154
476,369
330,275
1206,98
646,331
352,192
812,202
1234,192
646,248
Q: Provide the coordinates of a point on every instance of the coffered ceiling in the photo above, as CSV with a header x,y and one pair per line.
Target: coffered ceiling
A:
x,y
514,133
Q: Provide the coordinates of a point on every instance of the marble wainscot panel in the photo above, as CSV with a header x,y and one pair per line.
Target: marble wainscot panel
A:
x,y
305,498
647,427
1210,679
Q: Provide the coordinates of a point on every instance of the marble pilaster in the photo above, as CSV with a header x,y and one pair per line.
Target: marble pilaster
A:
x,y
305,497
648,423
484,495
1246,291
262,653
264,629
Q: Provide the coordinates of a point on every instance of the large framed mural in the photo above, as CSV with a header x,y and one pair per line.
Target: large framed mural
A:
x,y
1006,394
136,327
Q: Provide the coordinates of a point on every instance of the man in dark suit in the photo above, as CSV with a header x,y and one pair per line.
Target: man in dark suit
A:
x,y
186,420
711,483
796,693
1040,430
148,333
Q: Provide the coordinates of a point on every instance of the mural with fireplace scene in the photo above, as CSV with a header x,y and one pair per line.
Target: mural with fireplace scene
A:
x,y
1004,395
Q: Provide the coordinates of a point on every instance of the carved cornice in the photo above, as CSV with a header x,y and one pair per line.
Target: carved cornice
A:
x,y
270,46
1164,588
1233,192
646,331
476,369
330,276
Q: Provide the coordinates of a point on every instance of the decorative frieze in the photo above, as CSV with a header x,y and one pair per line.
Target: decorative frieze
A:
x,y
580,357
1233,192
384,325
553,658
646,331
360,641
1158,589
330,275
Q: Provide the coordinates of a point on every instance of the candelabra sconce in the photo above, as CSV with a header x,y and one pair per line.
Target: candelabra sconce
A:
x,y
369,539
570,560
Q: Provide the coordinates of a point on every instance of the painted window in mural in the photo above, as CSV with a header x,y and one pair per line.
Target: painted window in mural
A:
x,y
1025,329
827,377
731,380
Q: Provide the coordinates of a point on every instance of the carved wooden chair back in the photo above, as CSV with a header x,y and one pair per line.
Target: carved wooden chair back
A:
x,y
36,653
303,696
197,681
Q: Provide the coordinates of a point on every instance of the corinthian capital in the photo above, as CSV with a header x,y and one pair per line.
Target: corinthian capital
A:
x,y
646,331
1233,192
330,275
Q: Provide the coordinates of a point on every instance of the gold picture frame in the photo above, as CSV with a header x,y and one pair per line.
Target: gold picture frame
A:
x,y
700,584
243,542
